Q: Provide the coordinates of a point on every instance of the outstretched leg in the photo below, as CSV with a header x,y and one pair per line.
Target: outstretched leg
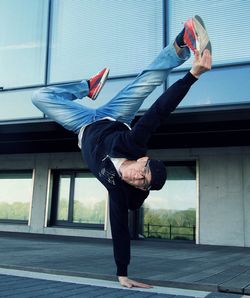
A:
x,y
126,103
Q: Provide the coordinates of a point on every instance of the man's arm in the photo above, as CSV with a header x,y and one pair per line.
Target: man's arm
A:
x,y
118,211
121,236
169,100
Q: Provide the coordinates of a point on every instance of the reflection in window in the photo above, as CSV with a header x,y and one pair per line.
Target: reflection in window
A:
x,y
220,86
89,200
218,17
15,195
86,38
77,199
18,105
171,212
23,29
63,197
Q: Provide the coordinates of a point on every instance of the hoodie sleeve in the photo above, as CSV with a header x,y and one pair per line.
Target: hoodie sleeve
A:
x,y
160,110
119,228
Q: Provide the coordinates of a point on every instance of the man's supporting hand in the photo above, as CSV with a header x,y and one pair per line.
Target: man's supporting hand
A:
x,y
201,64
129,283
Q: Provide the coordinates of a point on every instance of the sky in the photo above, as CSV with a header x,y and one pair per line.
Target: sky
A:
x,y
15,190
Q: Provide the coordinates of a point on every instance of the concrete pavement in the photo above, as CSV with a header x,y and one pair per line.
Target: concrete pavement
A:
x,y
215,269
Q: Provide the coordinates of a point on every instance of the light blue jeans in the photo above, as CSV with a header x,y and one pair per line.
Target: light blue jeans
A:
x,y
57,102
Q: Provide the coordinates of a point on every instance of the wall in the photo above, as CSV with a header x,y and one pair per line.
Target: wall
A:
x,y
223,198
41,163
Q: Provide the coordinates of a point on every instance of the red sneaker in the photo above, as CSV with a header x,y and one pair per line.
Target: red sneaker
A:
x,y
195,36
97,82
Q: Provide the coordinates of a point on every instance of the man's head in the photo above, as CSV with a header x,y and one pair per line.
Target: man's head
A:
x,y
144,173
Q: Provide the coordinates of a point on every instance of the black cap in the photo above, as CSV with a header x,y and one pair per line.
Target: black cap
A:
x,y
158,174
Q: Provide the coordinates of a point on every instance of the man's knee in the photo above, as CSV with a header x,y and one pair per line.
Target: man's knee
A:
x,y
38,96
35,97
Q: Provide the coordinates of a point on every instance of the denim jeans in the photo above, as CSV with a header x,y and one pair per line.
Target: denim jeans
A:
x,y
57,102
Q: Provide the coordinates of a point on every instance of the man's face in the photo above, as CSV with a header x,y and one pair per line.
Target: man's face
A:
x,y
138,174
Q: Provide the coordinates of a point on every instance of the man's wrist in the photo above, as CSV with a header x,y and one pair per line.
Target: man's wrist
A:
x,y
194,74
122,278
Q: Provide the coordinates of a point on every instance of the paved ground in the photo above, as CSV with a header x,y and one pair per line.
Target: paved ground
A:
x,y
213,269
25,284
17,284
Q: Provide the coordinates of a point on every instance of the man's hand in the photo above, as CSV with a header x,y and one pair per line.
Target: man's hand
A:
x,y
201,64
129,283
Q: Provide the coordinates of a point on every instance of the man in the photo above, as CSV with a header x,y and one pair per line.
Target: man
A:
x,y
115,153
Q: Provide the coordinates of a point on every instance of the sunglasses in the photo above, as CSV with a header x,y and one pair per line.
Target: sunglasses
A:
x,y
146,186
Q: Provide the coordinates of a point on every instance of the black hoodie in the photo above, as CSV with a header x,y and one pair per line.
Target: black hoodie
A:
x,y
104,139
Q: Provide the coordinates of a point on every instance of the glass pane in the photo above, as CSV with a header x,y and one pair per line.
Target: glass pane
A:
x,y
15,195
171,212
23,28
219,16
17,105
112,87
89,200
220,86
90,35
63,197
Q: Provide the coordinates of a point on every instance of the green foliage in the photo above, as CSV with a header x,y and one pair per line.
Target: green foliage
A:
x,y
160,223
94,214
15,210
63,210
83,214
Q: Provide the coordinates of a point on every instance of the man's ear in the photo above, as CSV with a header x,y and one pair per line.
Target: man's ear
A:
x,y
143,159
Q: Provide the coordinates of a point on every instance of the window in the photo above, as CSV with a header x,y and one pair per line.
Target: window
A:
x,y
55,41
227,85
78,199
18,105
171,212
227,22
23,30
15,195
228,82
89,35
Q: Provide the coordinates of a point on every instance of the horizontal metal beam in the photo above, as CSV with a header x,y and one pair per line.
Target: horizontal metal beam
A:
x,y
185,128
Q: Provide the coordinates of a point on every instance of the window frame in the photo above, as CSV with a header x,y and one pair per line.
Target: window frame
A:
x,y
54,198
137,220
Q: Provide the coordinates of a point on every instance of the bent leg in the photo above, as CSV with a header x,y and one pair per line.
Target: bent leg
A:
x,y
126,103
57,102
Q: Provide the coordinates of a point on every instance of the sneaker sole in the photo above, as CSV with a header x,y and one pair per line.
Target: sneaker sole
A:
x,y
203,41
101,84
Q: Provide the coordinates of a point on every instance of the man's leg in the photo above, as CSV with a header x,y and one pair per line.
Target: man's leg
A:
x,y
57,102
126,103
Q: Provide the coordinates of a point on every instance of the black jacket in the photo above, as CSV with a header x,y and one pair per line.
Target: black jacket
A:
x,y
104,139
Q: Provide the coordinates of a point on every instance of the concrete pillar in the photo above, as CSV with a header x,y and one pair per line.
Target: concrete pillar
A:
x,y
221,199
246,195
38,207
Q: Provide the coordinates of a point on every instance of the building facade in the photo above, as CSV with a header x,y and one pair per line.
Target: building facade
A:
x,y
46,187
